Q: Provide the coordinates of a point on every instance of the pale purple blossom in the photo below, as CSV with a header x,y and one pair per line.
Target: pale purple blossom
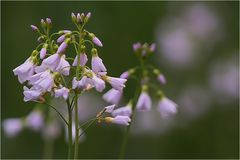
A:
x,y
97,64
83,60
12,126
35,120
125,75
123,111
113,96
97,41
61,38
110,108
58,63
43,52
81,84
88,15
62,92
34,28
122,120
98,83
117,83
79,19
49,21
43,80
161,78
167,107
62,48
25,70
153,47
136,46
144,102
31,94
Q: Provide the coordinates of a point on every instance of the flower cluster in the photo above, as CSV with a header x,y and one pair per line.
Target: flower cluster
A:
x,y
48,66
144,72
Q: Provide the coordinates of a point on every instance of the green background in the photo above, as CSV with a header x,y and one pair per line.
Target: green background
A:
x,y
118,24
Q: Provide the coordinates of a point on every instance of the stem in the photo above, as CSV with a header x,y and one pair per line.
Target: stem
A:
x,y
125,138
70,144
48,148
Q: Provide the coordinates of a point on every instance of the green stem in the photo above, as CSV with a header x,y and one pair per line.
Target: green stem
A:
x,y
125,138
70,144
48,148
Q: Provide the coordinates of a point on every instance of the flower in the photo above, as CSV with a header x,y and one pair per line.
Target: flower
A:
x,y
49,21
136,46
144,102
98,83
116,83
161,78
109,109
123,111
34,28
35,120
62,92
97,41
25,70
125,75
166,107
83,60
113,96
43,80
97,64
122,120
61,38
12,126
43,52
62,48
152,47
58,63
31,94
83,83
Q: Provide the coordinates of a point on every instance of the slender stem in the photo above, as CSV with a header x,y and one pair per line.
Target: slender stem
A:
x,y
58,113
76,128
70,144
48,148
125,138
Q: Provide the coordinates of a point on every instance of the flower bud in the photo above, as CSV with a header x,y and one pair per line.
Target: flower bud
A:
x,y
48,22
94,51
74,18
34,53
87,16
79,18
34,28
43,23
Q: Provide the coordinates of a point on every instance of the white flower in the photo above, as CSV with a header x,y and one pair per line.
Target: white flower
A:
x,y
25,70
113,96
12,126
167,107
123,111
62,92
144,102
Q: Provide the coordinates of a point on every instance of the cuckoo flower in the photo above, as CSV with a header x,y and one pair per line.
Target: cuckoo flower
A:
x,y
62,92
83,60
35,120
116,83
31,94
166,107
98,83
12,126
144,102
110,108
123,111
97,64
122,120
25,70
113,96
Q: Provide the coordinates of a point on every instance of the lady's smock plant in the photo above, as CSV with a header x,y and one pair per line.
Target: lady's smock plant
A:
x,y
148,78
51,72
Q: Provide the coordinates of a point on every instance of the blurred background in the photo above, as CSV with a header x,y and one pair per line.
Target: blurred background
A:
x,y
197,50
